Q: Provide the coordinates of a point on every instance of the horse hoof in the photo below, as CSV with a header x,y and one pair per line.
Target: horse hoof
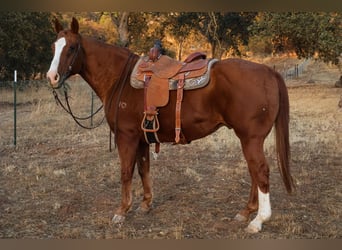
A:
x,y
252,229
240,218
117,219
143,209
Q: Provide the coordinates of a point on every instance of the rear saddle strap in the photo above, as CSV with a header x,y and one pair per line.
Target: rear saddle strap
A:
x,y
180,88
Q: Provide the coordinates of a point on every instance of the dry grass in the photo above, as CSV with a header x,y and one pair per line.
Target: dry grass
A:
x,y
61,181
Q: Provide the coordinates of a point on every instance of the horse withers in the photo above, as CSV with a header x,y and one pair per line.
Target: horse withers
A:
x,y
247,97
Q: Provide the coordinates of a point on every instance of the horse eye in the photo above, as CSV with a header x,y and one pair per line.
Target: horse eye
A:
x,y
71,48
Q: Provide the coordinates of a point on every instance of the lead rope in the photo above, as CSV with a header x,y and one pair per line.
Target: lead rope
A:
x,y
122,80
69,111
68,108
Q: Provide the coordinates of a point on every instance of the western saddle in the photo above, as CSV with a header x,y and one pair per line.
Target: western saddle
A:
x,y
156,71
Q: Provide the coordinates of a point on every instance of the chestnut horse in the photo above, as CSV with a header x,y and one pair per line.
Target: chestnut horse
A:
x,y
244,96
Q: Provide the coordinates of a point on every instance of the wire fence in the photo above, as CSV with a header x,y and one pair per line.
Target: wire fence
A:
x,y
13,94
30,93
293,71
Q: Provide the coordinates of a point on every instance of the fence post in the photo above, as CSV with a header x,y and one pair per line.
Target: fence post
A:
x,y
15,107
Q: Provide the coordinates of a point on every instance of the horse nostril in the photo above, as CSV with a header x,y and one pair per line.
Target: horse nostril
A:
x,y
57,77
53,78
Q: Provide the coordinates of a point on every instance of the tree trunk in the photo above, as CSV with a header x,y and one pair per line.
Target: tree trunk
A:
x,y
216,51
180,50
123,29
213,49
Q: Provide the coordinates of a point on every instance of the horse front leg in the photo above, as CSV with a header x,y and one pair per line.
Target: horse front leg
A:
x,y
143,162
127,149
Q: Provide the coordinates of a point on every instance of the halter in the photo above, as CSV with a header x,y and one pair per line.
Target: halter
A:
x,y
69,111
67,108
118,87
67,74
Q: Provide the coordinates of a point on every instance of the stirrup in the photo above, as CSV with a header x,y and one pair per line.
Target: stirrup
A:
x,y
150,125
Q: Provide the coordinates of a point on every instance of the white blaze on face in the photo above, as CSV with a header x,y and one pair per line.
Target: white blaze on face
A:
x,y
52,74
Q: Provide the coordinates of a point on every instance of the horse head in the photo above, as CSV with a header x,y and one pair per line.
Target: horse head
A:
x,y
67,59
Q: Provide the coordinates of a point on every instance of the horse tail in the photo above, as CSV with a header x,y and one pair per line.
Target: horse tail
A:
x,y
282,135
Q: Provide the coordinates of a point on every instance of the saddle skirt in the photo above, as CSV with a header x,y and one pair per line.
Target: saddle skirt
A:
x,y
168,69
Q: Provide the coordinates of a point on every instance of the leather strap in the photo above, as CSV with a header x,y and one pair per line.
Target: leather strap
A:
x,y
150,118
147,79
180,88
150,112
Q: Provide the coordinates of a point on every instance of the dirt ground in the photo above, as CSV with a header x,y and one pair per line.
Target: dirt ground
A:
x,y
61,181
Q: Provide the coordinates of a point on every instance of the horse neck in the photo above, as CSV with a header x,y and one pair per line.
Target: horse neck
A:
x,y
102,66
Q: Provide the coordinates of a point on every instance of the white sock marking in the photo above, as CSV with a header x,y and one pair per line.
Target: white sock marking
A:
x,y
264,212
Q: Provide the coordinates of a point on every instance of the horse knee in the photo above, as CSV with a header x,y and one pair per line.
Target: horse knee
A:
x,y
126,174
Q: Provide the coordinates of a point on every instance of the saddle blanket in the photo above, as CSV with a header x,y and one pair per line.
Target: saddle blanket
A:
x,y
189,83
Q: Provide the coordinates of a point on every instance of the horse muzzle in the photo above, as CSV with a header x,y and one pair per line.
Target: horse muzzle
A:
x,y
54,80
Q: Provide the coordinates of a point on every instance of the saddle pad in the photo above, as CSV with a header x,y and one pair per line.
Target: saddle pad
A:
x,y
194,82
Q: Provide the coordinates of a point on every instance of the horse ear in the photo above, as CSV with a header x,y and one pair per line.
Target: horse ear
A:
x,y
74,25
58,26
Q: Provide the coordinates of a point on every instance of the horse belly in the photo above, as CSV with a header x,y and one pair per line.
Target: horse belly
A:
x,y
199,117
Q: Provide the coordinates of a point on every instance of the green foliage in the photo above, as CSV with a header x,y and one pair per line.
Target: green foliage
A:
x,y
306,33
98,25
180,25
145,29
25,39
226,31
223,31
140,37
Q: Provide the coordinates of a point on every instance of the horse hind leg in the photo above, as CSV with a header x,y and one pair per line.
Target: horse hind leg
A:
x,y
252,204
259,199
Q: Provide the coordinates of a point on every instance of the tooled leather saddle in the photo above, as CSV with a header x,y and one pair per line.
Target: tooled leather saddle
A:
x,y
158,74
